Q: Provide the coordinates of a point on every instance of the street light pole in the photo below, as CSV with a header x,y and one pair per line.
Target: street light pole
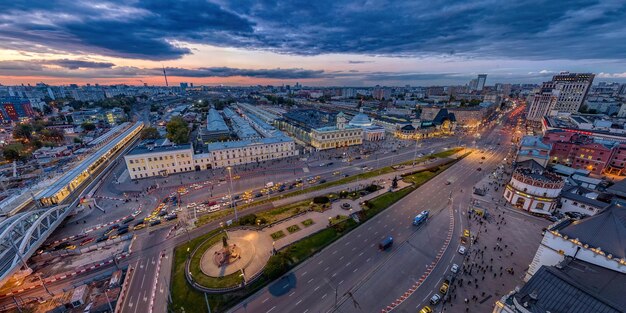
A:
x,y
230,191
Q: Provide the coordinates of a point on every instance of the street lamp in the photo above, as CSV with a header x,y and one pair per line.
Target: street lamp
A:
x,y
230,193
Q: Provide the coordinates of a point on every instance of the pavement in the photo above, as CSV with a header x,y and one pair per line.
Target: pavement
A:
x,y
351,275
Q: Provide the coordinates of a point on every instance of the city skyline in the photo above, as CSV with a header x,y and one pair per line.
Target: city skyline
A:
x,y
323,44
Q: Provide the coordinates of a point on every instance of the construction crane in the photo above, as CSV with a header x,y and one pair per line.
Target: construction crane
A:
x,y
165,75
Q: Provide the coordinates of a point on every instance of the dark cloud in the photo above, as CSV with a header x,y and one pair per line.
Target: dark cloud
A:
x,y
106,70
156,30
76,64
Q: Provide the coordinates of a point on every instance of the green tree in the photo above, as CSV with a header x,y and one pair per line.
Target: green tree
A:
x,y
88,126
11,154
276,266
23,132
177,130
150,133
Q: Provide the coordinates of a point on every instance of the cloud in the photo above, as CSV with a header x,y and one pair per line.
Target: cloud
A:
x,y
161,30
612,75
76,64
359,62
88,69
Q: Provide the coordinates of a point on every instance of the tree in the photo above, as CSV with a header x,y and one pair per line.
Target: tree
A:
x,y
23,132
150,133
394,183
11,154
88,126
276,266
177,130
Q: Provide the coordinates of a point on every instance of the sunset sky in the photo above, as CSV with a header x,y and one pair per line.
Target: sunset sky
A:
x,y
324,42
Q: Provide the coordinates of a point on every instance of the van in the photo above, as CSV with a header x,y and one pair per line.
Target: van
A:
x,y
386,243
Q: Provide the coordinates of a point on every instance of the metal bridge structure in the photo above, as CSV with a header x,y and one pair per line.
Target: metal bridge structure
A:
x,y
23,233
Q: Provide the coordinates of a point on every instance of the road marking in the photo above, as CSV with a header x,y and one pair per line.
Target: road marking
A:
x,y
370,228
318,287
291,294
270,310
265,300
320,262
298,302
368,259
358,236
348,264
334,251
326,269
341,282
310,280
347,243
360,254
335,274
376,233
341,258
353,248
356,269
307,310
303,274
324,296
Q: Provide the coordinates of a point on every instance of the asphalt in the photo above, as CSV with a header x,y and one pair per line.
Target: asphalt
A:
x,y
366,279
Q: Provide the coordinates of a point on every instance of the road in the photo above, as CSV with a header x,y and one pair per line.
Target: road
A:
x,y
375,279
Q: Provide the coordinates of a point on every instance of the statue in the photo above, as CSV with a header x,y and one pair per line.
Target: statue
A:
x,y
224,241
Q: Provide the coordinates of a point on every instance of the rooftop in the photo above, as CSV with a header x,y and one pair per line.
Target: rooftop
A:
x,y
575,287
215,122
148,147
70,175
606,230
245,143
535,142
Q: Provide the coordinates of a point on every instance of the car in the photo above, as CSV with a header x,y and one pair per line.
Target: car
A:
x,y
191,205
71,247
466,233
139,226
122,231
444,287
336,173
114,237
128,220
322,181
435,299
462,249
426,309
552,218
385,243
155,222
103,238
86,241
479,169
455,268
482,158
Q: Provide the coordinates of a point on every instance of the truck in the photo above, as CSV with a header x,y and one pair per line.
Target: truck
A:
x,y
269,185
420,218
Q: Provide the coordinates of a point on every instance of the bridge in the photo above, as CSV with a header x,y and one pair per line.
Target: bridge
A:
x,y
23,233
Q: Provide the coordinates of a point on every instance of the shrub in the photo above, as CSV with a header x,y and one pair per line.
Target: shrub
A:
x,y
321,200
343,194
249,219
371,188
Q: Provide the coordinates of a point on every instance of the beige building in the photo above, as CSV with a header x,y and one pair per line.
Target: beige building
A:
x,y
159,160
342,135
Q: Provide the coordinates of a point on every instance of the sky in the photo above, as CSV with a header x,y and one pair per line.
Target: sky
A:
x,y
316,43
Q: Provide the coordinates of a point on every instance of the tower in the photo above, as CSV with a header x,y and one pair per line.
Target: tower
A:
x,y
165,75
341,121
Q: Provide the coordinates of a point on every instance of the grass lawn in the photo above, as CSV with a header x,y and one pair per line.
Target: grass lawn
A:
x,y
338,219
277,235
308,222
293,228
286,211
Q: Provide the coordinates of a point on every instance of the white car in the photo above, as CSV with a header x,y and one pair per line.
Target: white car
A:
x,y
435,299
191,205
462,249
454,269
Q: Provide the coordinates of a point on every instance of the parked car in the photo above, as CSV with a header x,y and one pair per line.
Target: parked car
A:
x,y
455,268
155,222
462,249
426,309
86,241
435,299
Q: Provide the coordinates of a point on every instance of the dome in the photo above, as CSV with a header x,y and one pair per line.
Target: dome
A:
x,y
360,120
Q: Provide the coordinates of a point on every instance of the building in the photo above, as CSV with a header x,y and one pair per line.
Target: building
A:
x,y
444,123
159,158
480,82
598,240
564,94
582,200
573,89
572,286
14,109
544,99
466,117
321,130
532,148
216,128
371,132
579,151
224,154
534,189
242,128
87,116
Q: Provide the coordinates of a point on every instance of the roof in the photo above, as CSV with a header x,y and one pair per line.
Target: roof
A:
x,y
562,169
575,287
443,115
619,188
576,193
586,179
606,230
243,143
70,175
146,149
215,122
530,164
361,119
535,142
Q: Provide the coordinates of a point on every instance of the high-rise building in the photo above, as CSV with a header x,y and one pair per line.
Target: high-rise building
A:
x,y
14,109
480,81
542,101
573,89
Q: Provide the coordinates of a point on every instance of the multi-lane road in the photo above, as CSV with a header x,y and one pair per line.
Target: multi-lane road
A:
x,y
353,275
